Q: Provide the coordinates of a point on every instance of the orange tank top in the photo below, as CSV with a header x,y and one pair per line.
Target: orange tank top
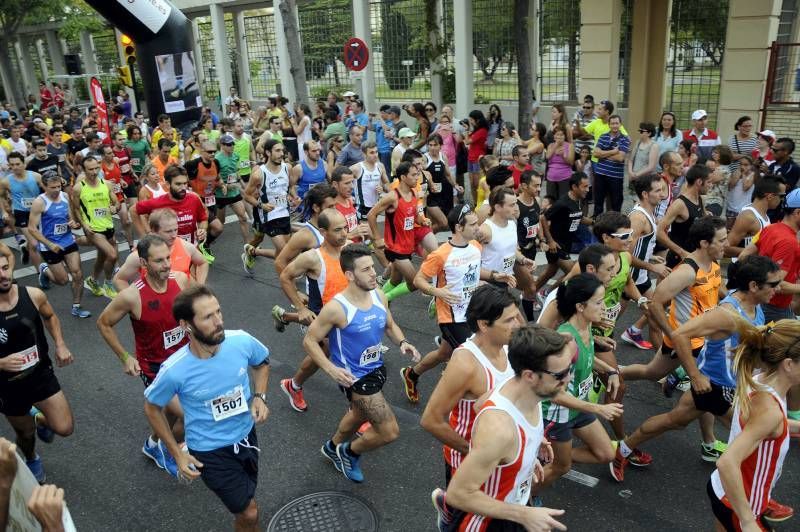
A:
x,y
205,183
330,282
700,297
179,258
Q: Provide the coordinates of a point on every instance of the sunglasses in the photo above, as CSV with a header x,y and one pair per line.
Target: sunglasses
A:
x,y
211,152
465,210
773,148
226,144
561,375
589,107
622,236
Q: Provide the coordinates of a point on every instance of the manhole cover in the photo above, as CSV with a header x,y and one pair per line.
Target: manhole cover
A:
x,y
325,511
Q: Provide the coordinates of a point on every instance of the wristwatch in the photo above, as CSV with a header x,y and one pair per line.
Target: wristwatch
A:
x,y
261,396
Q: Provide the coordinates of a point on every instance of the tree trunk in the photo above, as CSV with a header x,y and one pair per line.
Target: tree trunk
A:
x,y
7,73
298,66
572,82
524,66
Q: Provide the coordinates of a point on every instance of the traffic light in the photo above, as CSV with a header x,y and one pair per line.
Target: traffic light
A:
x,y
128,49
125,75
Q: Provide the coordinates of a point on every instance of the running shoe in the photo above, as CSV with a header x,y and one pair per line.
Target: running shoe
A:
x,y
37,469
710,452
277,318
329,451
170,465
673,381
23,249
79,312
777,512
94,287
296,399
637,458
44,280
350,463
437,340
153,453
207,254
617,466
537,501
249,259
365,426
409,384
432,308
636,339
109,291
443,517
44,432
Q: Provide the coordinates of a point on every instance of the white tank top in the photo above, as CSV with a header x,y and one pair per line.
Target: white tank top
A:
x,y
645,246
155,192
274,190
763,222
500,254
366,190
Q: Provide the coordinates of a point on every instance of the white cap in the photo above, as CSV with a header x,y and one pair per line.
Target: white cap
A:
x,y
768,133
348,94
699,114
273,95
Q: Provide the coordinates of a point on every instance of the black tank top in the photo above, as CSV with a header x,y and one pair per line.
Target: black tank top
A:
x,y
528,230
437,171
22,331
679,231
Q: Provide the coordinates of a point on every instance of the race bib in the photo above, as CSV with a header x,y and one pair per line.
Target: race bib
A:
x,y
533,231
436,188
584,387
508,263
173,337
125,168
280,201
408,223
370,355
135,161
117,188
60,229
573,226
187,238
229,405
62,158
352,221
612,312
233,178
27,202
100,212
30,357
244,164
210,201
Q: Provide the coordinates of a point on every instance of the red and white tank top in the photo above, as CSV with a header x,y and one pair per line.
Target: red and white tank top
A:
x,y
463,415
156,332
510,483
762,469
350,215
398,230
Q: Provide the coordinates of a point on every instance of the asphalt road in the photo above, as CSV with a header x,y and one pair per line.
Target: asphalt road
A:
x,y
110,485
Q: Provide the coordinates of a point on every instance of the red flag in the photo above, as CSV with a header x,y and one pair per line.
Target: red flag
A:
x,y
102,110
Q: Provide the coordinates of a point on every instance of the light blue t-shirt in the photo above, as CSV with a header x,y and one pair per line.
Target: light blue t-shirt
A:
x,y
214,392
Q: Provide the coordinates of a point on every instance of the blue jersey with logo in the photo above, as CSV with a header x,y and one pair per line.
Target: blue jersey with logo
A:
x,y
357,347
54,224
214,392
715,360
23,192
310,177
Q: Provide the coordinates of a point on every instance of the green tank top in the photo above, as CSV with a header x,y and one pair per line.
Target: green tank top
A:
x,y
228,171
581,381
614,290
213,135
96,206
241,148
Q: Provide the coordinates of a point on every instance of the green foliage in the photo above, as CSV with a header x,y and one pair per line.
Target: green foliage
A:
x,y
325,26
400,42
492,34
701,22
321,92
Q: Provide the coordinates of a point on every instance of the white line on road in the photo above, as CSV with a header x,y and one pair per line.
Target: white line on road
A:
x,y
582,478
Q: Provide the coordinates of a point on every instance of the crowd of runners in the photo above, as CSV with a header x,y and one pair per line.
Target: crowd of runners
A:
x,y
700,246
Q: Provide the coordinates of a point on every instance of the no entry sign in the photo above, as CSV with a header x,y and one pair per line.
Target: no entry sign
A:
x,y
356,54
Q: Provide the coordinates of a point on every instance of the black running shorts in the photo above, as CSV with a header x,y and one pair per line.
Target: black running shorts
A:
x,y
18,396
369,384
718,401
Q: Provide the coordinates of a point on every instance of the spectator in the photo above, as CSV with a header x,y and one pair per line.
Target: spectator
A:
x,y
504,144
584,163
558,117
334,125
784,165
45,95
495,120
762,154
357,116
351,153
417,111
383,127
667,135
536,152
610,150
348,96
740,189
644,156
450,140
301,125
335,144
716,196
261,121
560,157
742,142
333,103
231,99
430,114
699,134
583,116
599,125
476,147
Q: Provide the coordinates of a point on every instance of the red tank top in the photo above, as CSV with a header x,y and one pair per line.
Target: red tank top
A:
x,y
398,230
350,216
124,160
156,332
113,175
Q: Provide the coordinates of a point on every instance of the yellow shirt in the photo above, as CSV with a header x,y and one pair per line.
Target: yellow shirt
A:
x,y
175,151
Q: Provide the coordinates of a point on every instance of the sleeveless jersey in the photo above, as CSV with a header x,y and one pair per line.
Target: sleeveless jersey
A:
x,y
274,190
54,224
314,231
124,161
501,253
242,147
96,206
614,290
179,259
22,332
459,267
113,176
716,356
350,215
463,414
156,333
205,184
330,282
440,187
528,230
510,483
310,177
692,301
645,246
763,222
679,231
155,192
357,346
23,192
762,469
661,210
398,229
581,381
366,189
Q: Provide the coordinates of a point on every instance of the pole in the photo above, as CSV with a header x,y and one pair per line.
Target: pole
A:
x,y
132,68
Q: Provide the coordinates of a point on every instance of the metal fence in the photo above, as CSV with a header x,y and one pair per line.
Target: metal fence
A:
x,y
559,51
697,46
206,45
262,54
625,39
494,50
325,25
783,76
105,50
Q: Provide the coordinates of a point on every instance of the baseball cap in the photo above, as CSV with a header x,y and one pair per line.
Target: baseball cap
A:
x,y
405,132
4,115
699,114
226,139
768,133
792,199
349,94
395,110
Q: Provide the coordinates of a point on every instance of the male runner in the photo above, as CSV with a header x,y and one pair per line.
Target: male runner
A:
x,y
309,173
23,186
498,234
93,203
245,152
58,149
371,179
321,267
673,228
492,485
184,257
768,194
204,178
439,201
51,223
529,237
112,175
122,155
477,365
456,269
156,333
30,395
354,323
42,161
342,180
210,379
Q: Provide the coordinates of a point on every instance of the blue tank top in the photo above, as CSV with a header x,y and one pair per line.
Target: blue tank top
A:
x,y
357,347
716,358
23,192
310,177
54,223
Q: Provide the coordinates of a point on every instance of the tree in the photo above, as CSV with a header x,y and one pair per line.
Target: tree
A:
x,y
325,26
560,25
297,67
524,65
403,41
493,23
700,24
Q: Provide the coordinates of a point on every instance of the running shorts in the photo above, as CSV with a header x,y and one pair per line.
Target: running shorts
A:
x,y
279,226
718,401
391,256
21,218
18,396
562,432
369,384
51,257
726,516
455,334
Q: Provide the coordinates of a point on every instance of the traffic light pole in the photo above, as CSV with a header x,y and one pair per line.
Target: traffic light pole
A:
x,y
132,68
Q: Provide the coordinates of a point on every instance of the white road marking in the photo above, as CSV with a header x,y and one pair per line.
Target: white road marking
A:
x,y
582,478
